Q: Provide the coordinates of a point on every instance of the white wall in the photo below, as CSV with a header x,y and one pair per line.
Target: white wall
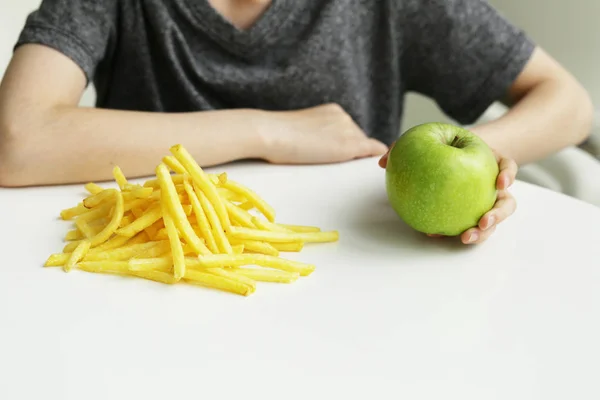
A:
x,y
12,17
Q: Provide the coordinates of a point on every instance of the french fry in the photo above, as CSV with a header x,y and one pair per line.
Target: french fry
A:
x,y
291,247
141,237
173,208
242,217
246,205
228,195
84,228
176,247
148,249
127,220
156,251
258,202
73,212
128,187
120,241
156,194
138,212
113,225
97,212
231,274
141,223
215,222
275,237
154,183
268,275
70,247
214,179
137,203
203,181
163,264
267,226
201,218
58,259
217,282
120,178
253,246
75,234
122,268
300,228
187,209
79,253
138,193
93,188
157,276
153,229
239,260
96,199
161,234
174,165
188,251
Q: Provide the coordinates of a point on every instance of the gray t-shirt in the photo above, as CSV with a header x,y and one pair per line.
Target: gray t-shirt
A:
x,y
182,55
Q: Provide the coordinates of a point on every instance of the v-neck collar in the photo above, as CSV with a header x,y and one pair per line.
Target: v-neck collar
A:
x,y
267,30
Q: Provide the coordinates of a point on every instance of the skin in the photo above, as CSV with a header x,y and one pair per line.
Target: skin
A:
x,y
40,120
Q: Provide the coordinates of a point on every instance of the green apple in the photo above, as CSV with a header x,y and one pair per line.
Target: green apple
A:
x,y
441,178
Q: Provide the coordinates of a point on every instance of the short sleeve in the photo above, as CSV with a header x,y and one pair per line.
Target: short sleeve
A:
x,y
80,29
463,54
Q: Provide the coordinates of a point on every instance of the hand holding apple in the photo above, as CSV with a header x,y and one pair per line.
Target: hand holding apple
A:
x,y
443,180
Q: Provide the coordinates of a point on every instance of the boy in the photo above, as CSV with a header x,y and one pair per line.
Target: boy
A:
x,y
285,81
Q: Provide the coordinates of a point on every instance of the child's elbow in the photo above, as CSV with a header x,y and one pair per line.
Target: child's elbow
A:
x,y
12,157
583,115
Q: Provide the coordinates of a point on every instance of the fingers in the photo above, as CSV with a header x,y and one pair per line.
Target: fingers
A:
x,y
476,235
504,207
508,173
377,148
366,147
384,159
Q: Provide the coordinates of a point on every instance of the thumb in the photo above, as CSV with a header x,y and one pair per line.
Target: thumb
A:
x,y
377,148
383,160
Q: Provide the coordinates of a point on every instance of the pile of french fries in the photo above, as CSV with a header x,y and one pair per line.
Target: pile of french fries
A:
x,y
184,226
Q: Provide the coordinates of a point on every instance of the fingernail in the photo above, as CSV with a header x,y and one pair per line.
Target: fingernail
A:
x,y
491,222
473,237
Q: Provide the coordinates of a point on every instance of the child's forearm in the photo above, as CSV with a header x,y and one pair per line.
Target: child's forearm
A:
x,y
72,144
554,114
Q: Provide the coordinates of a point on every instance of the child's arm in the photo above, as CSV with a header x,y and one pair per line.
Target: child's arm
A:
x,y
465,55
549,110
45,138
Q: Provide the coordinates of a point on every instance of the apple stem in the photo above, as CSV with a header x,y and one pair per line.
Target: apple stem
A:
x,y
456,142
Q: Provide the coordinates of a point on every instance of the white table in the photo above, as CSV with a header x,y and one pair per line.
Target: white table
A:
x,y
388,313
